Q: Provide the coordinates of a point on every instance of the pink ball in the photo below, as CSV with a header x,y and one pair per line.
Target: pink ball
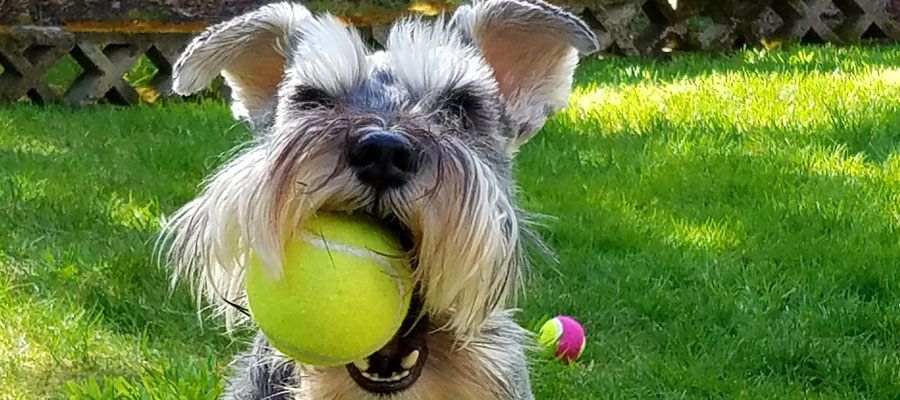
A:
x,y
563,337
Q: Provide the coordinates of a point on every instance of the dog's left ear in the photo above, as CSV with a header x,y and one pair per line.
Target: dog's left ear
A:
x,y
533,50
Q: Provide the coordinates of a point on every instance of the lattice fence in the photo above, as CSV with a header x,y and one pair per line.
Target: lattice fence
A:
x,y
651,27
31,57
99,62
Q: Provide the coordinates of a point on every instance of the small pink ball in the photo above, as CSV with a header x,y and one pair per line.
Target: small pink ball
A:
x,y
563,337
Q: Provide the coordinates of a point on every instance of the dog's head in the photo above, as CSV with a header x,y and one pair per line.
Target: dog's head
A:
x,y
420,135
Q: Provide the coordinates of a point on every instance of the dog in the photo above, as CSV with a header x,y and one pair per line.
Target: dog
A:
x,y
420,135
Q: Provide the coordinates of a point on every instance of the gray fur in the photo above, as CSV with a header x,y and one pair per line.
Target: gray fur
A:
x,y
538,86
264,373
232,48
461,95
529,15
261,373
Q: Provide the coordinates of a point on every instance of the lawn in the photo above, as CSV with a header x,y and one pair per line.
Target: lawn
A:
x,y
726,227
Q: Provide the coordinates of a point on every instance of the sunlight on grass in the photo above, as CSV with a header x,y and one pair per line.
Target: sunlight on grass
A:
x,y
835,161
84,299
727,227
40,338
127,213
754,101
734,218
890,76
23,186
710,235
29,145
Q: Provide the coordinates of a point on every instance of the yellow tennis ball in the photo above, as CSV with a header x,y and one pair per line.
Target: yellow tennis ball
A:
x,y
344,291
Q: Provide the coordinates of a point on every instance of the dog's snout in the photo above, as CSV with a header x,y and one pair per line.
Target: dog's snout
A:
x,y
383,159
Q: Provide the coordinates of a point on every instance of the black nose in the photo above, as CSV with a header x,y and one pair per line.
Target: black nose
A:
x,y
383,159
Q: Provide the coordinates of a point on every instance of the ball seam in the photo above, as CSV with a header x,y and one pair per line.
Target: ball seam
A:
x,y
320,243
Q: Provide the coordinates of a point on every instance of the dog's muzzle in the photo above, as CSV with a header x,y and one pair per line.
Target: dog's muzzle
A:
x,y
399,363
383,160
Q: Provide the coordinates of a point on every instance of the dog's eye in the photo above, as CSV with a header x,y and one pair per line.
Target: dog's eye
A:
x,y
308,98
465,106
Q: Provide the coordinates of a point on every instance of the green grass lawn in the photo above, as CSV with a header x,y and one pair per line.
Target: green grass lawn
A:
x,y
726,227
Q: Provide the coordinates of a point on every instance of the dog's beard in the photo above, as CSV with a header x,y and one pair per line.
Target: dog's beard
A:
x,y
462,224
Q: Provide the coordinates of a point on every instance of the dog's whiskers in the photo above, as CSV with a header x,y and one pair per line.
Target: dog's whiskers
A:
x,y
419,134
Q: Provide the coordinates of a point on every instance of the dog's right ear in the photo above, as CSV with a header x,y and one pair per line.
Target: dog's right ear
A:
x,y
532,48
250,51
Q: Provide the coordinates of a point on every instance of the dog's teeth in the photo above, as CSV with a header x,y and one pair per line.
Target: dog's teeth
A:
x,y
371,377
398,376
362,365
393,378
410,360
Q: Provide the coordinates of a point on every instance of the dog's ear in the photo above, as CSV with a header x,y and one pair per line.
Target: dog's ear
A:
x,y
533,49
250,51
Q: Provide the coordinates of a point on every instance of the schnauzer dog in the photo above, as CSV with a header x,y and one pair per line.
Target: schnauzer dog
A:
x,y
419,135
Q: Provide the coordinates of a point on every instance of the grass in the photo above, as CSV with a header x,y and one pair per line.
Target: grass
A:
x,y
727,227
81,298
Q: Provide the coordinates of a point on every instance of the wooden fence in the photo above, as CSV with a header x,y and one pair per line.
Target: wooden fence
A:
x,y
97,58
651,27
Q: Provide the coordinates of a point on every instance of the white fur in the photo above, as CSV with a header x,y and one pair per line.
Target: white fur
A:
x,y
239,212
532,49
536,103
467,242
431,59
330,56
207,236
252,42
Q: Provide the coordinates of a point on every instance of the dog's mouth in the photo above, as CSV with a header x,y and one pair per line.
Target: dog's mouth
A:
x,y
399,363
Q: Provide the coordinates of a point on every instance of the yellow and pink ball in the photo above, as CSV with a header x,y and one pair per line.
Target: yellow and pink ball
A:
x,y
562,338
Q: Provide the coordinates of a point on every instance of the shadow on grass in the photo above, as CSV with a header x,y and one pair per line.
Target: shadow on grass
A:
x,y
81,194
697,267
704,260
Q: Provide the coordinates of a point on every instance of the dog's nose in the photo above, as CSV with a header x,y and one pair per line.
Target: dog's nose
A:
x,y
383,159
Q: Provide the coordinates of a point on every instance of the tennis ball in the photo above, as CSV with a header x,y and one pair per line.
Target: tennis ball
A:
x,y
344,291
562,338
